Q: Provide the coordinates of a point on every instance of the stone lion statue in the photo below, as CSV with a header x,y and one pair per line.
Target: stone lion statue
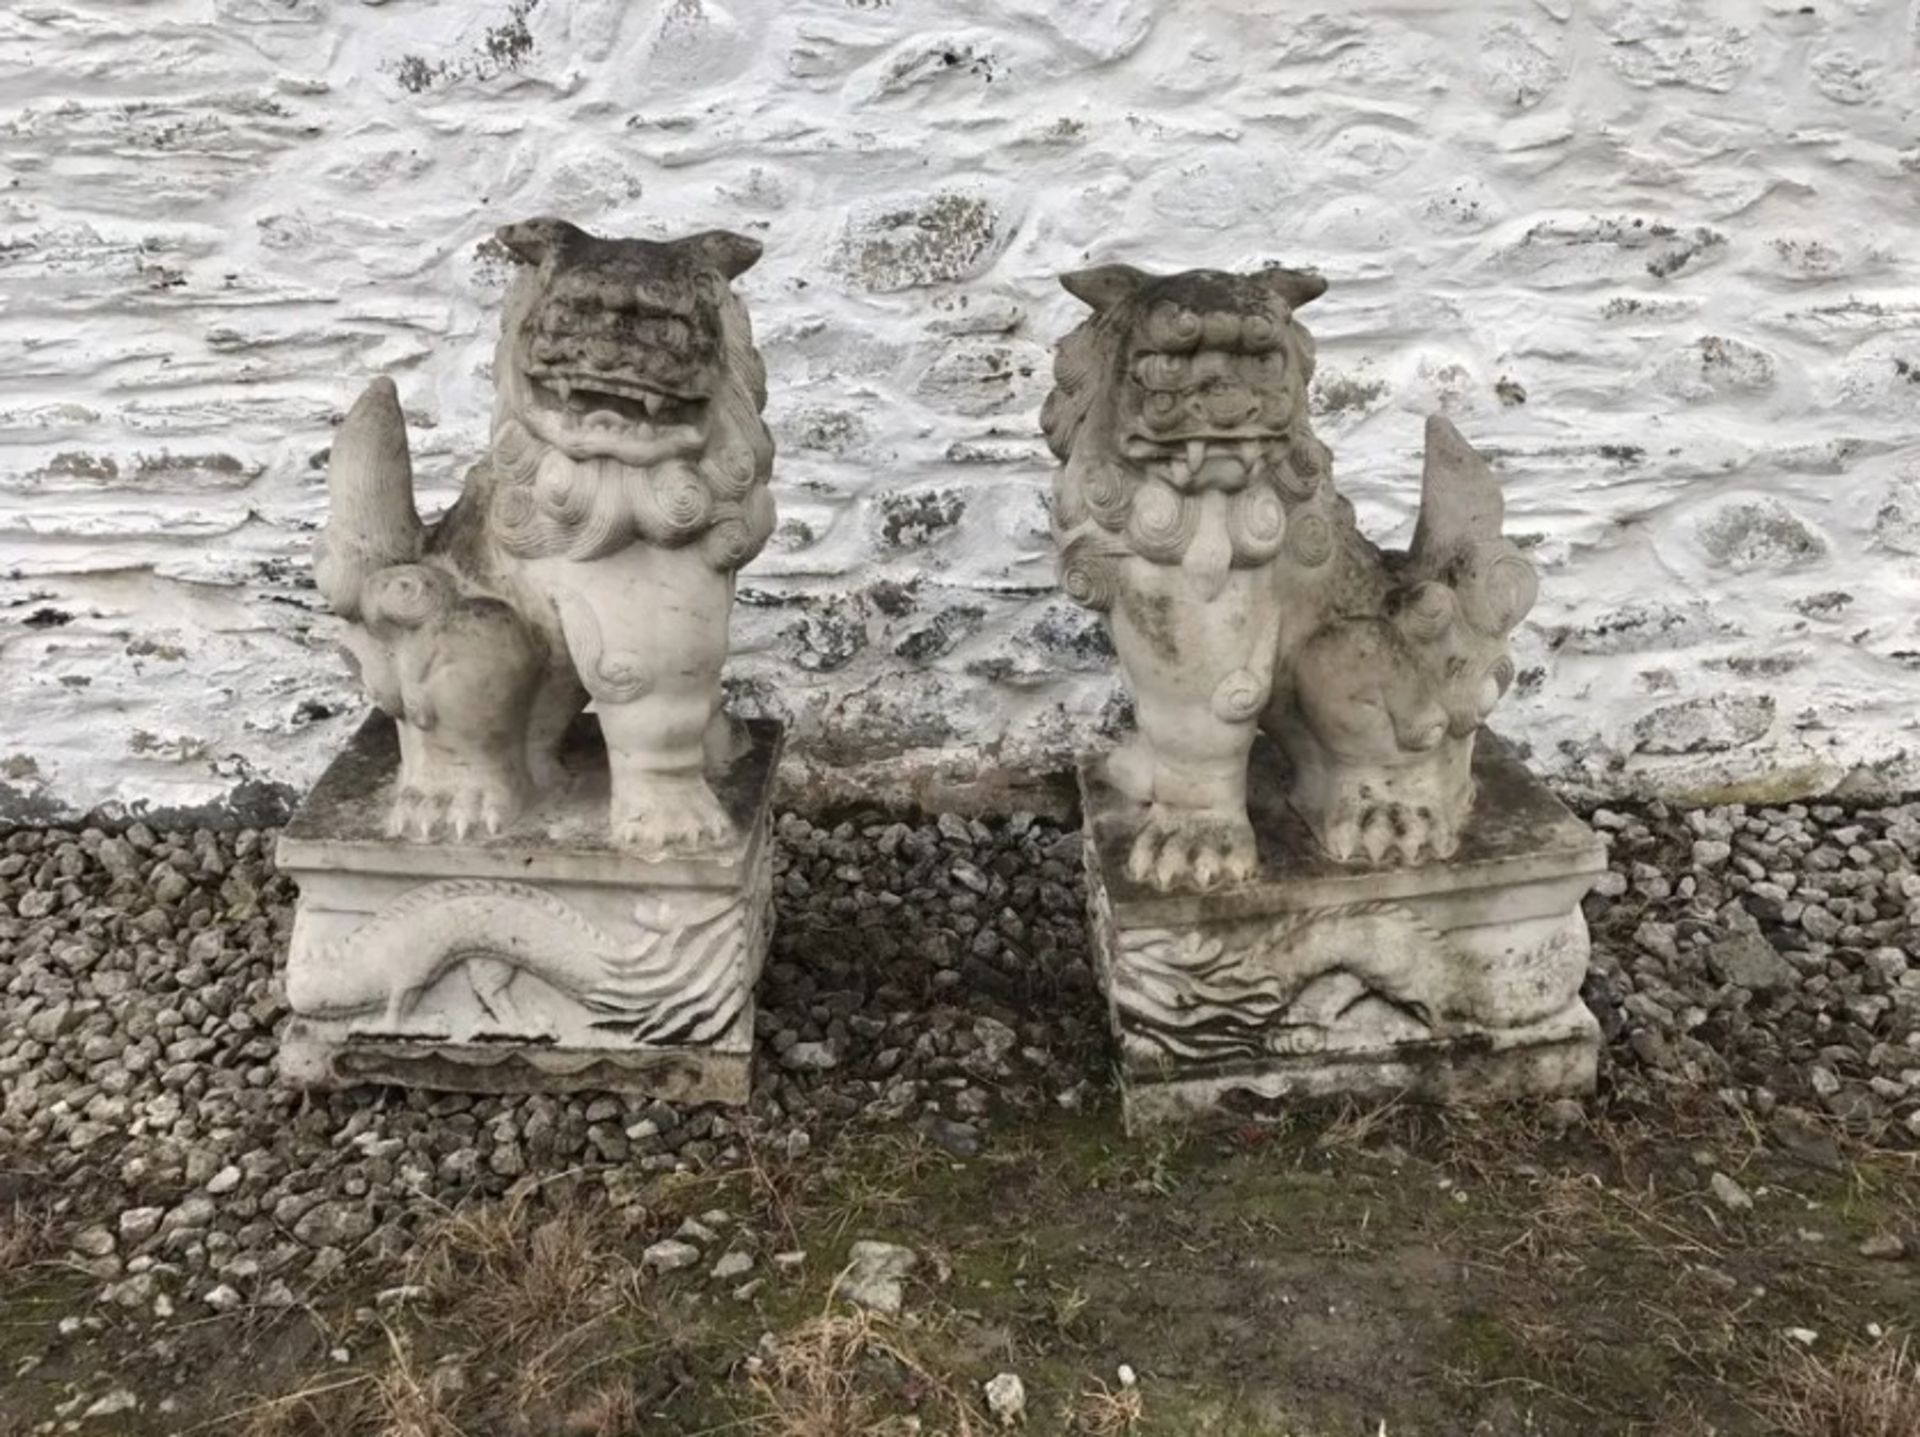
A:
x,y
590,555
1195,507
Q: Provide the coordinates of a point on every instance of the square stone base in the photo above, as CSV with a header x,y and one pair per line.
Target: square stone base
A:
x,y
541,959
1456,980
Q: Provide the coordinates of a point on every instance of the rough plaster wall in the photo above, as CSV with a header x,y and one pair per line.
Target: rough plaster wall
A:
x,y
1660,258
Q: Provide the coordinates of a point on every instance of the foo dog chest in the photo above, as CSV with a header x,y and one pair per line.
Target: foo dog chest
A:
x,y
545,957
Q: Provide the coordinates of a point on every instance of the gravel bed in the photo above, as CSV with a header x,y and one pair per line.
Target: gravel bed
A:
x,y
1771,955
931,975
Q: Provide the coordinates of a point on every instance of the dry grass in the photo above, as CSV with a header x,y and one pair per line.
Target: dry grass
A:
x,y
1873,1392
539,1288
409,1402
844,1375
516,1324
405,1398
609,1411
26,1238
1103,1411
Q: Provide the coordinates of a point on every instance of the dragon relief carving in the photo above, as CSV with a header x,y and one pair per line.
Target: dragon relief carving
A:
x,y
683,978
591,553
1300,983
1196,508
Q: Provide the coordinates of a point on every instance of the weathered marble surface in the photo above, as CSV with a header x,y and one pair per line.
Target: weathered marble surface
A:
x,y
1455,980
592,553
546,956
1196,508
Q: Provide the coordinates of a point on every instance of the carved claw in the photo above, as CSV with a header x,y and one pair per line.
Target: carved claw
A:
x,y
456,810
1387,831
1176,850
676,814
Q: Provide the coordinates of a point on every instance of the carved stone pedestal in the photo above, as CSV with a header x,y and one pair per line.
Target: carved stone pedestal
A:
x,y
543,958
1455,980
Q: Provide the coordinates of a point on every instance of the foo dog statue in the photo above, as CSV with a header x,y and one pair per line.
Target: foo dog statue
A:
x,y
591,554
1195,507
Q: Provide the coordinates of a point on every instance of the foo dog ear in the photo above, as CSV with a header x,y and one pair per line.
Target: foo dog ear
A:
x,y
1295,286
534,240
1105,285
733,255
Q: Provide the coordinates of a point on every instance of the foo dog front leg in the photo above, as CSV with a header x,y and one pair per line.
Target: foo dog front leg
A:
x,y
647,630
1201,670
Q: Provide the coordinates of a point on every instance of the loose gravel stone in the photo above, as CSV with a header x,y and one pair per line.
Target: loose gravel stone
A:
x,y
669,1255
876,1276
1782,975
1732,1196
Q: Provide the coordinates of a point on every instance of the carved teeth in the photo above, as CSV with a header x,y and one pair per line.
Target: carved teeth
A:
x,y
563,388
653,402
1196,453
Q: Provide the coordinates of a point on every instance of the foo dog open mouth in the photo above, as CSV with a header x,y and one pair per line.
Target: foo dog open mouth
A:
x,y
619,352
591,556
1207,403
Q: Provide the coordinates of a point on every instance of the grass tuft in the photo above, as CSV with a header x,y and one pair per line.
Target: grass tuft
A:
x,y
1870,1392
844,1375
27,1238
1103,1411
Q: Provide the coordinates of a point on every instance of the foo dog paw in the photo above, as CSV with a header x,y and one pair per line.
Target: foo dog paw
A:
x,y
1381,832
674,815
455,808
1179,849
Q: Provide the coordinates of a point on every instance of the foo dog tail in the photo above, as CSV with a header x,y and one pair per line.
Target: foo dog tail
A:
x,y
371,523
1472,585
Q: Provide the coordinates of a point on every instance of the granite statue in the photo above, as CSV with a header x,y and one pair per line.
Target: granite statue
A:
x,y
1196,508
590,555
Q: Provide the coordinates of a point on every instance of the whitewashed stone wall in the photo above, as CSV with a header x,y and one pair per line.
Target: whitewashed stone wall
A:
x,y
1661,256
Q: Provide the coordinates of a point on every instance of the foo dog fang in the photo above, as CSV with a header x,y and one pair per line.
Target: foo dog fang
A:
x,y
1195,507
590,555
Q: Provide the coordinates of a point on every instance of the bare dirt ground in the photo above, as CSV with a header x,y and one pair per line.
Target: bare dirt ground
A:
x,y
1350,1271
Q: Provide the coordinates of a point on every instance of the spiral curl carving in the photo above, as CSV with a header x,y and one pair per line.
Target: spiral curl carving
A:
x,y
1108,492
1162,523
1239,696
1256,523
407,596
670,504
1309,541
1496,587
1090,577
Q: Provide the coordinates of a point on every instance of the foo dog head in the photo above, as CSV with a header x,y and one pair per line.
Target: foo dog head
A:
x,y
1194,381
629,396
